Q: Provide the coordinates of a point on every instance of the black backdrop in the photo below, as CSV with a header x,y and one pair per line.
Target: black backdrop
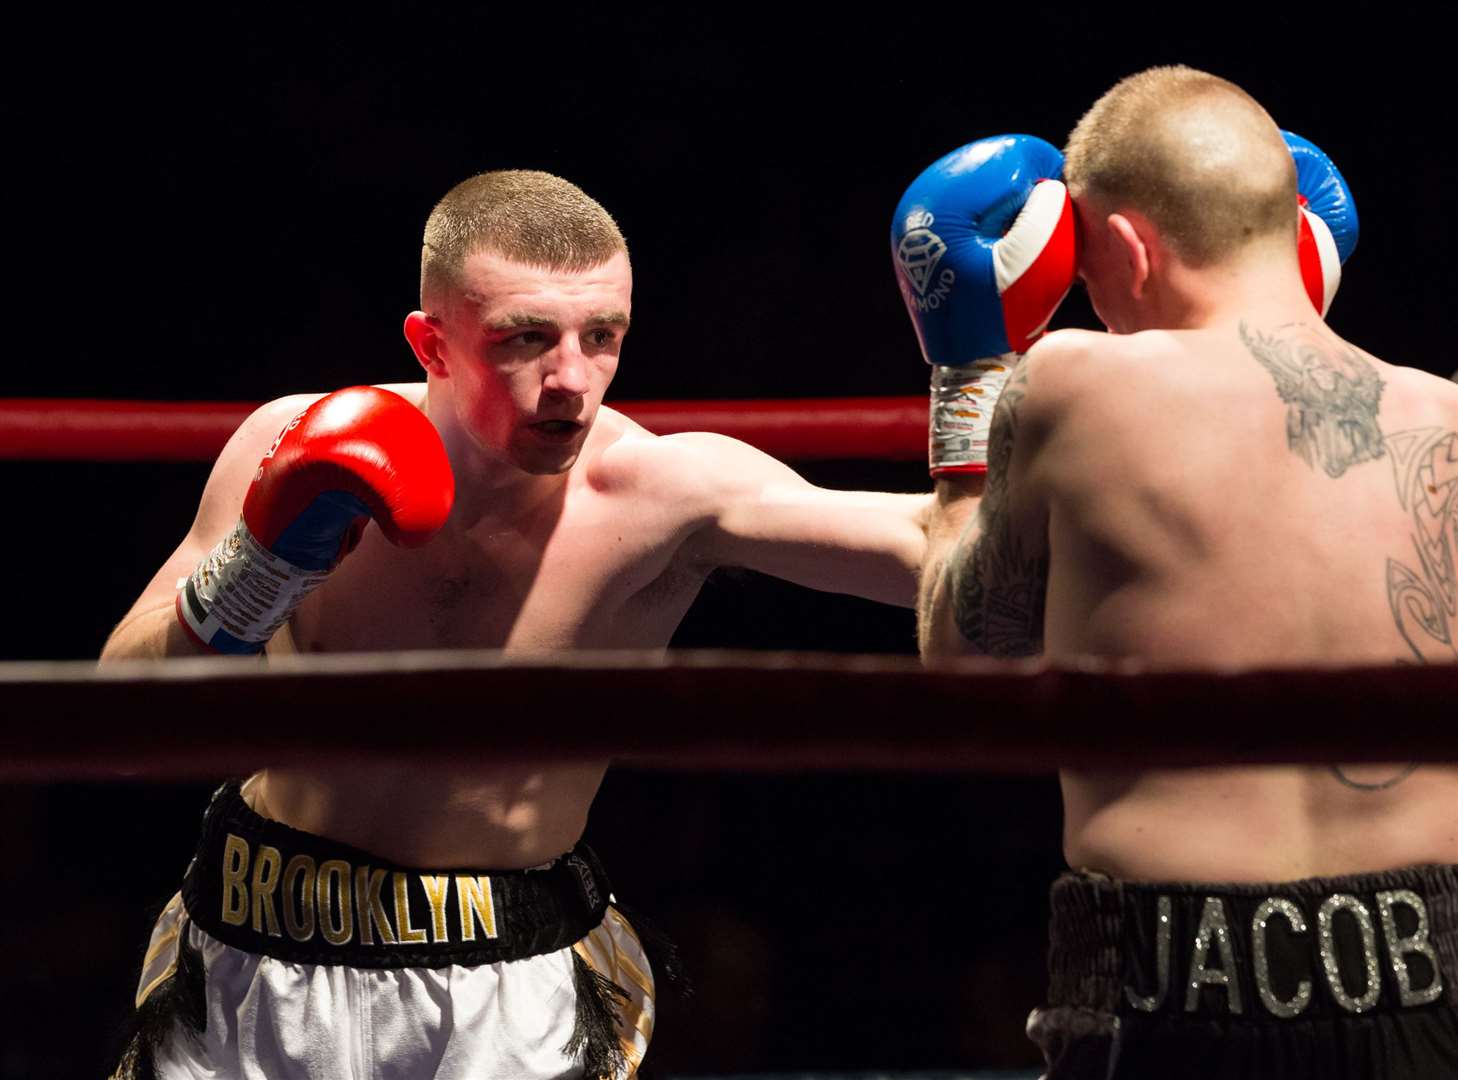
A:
x,y
225,203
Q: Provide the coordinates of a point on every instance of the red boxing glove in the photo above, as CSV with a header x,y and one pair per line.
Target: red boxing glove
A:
x,y
353,455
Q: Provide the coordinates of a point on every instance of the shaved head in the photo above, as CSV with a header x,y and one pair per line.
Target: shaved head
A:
x,y
529,217
1193,153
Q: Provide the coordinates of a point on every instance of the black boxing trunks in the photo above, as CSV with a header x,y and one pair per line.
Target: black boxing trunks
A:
x,y
1347,978
290,955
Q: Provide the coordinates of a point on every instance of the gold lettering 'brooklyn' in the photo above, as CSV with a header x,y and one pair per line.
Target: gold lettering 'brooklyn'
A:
x,y
298,881
333,892
343,903
409,935
236,857
437,891
473,895
367,885
265,881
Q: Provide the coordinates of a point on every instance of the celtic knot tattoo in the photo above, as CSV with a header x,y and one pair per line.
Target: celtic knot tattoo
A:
x,y
1423,592
1332,398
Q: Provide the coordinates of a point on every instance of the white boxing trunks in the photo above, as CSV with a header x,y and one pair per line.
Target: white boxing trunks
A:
x,y
288,956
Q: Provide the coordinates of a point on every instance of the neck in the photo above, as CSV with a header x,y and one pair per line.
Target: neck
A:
x,y
1260,286
490,490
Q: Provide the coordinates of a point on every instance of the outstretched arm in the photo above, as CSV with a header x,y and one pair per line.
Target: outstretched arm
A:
x,y
758,513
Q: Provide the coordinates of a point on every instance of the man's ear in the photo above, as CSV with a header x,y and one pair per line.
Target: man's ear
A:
x,y
1138,248
424,334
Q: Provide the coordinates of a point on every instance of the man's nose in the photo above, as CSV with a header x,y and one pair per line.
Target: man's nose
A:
x,y
565,369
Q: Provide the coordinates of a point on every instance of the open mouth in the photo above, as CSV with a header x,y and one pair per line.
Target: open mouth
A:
x,y
556,430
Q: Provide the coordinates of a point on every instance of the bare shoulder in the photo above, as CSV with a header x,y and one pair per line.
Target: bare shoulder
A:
x,y
1058,374
1073,360
618,451
413,392
233,471
263,425
630,456
1068,344
1439,393
1085,354
1083,366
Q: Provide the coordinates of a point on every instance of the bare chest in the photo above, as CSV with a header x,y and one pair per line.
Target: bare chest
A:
x,y
601,574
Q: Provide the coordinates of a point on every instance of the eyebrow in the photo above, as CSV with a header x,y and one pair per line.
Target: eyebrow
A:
x,y
515,320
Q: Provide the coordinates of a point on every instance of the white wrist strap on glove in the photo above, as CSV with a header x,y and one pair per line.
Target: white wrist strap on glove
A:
x,y
245,589
962,401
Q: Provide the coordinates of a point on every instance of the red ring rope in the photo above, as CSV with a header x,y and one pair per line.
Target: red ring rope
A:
x,y
707,710
67,429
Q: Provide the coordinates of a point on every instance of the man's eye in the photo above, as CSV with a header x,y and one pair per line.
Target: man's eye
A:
x,y
527,337
600,337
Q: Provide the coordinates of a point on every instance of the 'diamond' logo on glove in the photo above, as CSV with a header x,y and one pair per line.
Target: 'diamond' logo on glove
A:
x,y
920,250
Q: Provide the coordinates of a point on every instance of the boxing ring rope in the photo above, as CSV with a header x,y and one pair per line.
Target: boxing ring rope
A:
x,y
706,710
79,429
688,710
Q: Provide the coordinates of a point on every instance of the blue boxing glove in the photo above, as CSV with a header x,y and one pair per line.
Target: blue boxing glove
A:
x,y
1328,221
984,249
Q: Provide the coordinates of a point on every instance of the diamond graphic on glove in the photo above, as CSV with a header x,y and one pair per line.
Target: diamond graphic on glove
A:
x,y
919,252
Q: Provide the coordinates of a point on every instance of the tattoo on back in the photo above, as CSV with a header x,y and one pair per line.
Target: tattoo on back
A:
x,y
1332,396
1373,785
1423,591
999,588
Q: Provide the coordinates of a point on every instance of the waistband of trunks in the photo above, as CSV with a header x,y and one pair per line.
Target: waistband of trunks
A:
x,y
269,889
1315,948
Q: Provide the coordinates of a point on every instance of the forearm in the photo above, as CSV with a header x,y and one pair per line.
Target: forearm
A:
x,y
952,523
150,635
867,544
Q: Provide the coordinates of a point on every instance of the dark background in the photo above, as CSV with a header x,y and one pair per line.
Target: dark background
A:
x,y
226,204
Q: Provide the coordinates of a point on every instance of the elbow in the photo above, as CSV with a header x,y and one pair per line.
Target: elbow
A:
x,y
140,636
116,648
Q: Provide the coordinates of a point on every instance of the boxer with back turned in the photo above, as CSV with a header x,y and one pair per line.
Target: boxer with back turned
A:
x,y
513,511
1222,481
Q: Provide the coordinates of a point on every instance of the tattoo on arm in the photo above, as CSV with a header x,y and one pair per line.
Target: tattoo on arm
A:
x,y
998,587
1332,396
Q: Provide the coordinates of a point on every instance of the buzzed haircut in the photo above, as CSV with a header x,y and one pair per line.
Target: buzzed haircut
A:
x,y
1194,153
526,216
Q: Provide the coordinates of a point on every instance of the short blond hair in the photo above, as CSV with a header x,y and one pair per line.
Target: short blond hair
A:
x,y
527,216
1193,153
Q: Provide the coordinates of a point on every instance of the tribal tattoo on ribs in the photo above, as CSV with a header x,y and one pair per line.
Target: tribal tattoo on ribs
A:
x,y
998,588
1423,592
1332,400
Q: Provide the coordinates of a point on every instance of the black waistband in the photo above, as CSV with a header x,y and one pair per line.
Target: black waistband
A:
x,y
1322,947
264,887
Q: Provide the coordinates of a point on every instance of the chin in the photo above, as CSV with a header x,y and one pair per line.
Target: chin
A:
x,y
535,466
546,460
